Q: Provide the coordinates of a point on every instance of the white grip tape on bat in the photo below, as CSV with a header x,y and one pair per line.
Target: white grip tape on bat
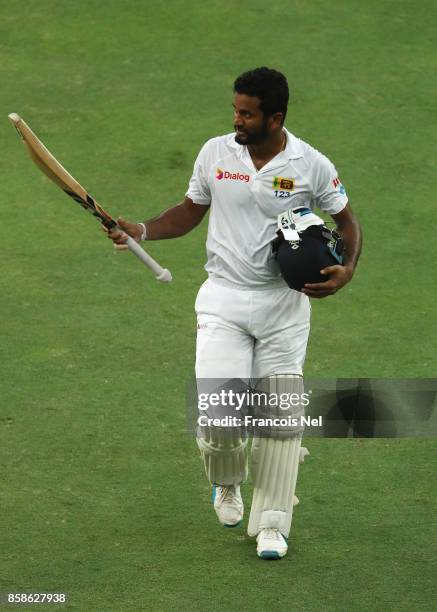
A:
x,y
162,274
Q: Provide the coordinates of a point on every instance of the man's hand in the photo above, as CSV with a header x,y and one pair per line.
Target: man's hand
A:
x,y
120,234
339,276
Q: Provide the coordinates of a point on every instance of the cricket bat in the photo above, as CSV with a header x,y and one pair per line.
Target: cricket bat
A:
x,y
48,164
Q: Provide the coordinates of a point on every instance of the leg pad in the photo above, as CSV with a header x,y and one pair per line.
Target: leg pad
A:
x,y
275,464
224,455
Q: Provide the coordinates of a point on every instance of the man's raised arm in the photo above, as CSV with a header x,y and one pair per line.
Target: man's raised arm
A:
x,y
171,223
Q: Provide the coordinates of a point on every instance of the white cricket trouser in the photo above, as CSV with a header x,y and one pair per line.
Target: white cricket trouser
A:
x,y
250,333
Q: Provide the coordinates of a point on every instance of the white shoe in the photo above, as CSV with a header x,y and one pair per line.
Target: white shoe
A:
x,y
271,544
228,504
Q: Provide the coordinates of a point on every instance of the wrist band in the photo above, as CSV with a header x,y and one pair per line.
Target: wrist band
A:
x,y
144,234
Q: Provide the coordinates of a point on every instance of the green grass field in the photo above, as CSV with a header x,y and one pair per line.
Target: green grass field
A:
x,y
102,490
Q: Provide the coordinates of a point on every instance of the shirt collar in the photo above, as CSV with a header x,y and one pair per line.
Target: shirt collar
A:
x,y
293,148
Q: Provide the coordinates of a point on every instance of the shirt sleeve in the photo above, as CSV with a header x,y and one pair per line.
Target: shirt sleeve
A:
x,y
198,188
329,192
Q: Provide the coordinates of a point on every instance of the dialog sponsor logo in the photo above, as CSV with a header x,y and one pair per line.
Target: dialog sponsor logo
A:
x,y
231,176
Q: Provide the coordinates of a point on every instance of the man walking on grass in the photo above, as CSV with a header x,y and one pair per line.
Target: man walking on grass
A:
x,y
251,325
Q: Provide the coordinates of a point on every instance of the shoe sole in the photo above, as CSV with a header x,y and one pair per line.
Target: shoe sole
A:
x,y
270,555
231,526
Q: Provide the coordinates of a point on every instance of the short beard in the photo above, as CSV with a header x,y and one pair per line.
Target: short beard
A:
x,y
254,138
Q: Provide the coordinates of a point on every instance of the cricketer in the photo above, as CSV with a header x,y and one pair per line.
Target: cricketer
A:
x,y
252,326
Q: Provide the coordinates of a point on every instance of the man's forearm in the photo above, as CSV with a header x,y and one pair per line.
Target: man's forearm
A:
x,y
349,229
352,238
171,223
176,221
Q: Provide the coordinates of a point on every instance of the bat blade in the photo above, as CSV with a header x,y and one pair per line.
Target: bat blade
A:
x,y
50,166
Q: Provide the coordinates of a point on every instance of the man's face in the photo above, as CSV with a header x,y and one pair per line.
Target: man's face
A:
x,y
250,124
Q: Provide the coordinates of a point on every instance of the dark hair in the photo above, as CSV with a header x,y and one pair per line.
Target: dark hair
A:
x,y
269,85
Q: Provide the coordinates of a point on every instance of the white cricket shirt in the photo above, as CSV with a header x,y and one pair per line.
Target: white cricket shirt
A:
x,y
245,203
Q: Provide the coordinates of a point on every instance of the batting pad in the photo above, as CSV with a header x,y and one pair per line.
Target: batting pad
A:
x,y
274,464
278,400
224,455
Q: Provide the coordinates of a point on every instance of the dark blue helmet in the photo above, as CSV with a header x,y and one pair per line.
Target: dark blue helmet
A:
x,y
304,246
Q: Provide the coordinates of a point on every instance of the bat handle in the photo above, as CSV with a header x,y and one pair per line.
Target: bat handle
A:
x,y
162,274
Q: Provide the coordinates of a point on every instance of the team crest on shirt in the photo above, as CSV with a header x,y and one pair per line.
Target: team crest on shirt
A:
x,y
286,184
282,186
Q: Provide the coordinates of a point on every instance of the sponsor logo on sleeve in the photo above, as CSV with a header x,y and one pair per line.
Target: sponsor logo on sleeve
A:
x,y
339,186
231,176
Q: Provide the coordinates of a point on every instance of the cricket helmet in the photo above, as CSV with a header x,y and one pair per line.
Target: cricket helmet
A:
x,y
304,246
